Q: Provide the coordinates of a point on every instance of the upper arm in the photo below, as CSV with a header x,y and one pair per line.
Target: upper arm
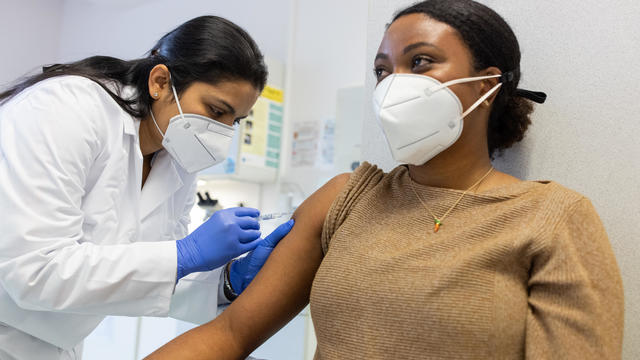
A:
x,y
575,292
279,291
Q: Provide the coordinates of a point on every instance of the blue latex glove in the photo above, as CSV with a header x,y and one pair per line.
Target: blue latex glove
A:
x,y
225,235
242,271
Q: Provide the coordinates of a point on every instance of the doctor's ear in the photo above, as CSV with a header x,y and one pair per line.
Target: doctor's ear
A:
x,y
159,82
488,84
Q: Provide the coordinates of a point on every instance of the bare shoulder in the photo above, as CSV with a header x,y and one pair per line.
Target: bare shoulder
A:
x,y
338,182
314,209
329,191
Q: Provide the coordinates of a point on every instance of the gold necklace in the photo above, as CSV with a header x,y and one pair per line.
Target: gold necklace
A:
x,y
438,221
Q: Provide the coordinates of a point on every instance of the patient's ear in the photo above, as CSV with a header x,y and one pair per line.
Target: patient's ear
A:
x,y
488,84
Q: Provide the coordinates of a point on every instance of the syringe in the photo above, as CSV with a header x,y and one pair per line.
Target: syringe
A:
x,y
274,215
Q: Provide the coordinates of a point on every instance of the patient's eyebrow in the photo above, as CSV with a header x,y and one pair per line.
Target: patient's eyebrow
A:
x,y
382,56
418,45
408,48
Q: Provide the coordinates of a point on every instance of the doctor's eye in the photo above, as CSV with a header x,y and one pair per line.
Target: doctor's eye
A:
x,y
217,113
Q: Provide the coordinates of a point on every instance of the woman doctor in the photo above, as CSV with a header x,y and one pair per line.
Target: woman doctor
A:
x,y
98,162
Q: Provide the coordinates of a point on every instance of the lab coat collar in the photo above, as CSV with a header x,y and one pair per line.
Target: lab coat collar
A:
x,y
131,124
130,127
165,177
164,180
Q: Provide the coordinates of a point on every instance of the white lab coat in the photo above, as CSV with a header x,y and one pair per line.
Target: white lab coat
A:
x,y
79,239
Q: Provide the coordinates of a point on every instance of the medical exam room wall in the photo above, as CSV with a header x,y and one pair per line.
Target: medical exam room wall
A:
x,y
127,28
327,53
583,54
17,19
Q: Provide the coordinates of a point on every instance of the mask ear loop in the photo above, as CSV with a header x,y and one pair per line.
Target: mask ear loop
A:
x,y
466,80
156,123
175,95
463,80
481,100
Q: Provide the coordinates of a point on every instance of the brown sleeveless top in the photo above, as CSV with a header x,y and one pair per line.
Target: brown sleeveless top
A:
x,y
520,271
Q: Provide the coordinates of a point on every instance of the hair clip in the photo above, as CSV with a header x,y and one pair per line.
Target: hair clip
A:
x,y
507,77
535,96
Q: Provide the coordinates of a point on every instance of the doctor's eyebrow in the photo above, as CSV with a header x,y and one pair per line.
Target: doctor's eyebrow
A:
x,y
229,108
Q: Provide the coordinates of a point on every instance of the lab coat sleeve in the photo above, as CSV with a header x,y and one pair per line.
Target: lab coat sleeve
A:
x,y
198,297
50,136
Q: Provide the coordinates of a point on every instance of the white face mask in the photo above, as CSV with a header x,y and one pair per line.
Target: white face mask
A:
x,y
195,142
420,116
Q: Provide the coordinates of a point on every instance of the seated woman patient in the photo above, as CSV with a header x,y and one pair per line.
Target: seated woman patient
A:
x,y
444,257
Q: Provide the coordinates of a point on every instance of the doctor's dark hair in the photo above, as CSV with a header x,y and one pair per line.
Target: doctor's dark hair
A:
x,y
208,48
492,43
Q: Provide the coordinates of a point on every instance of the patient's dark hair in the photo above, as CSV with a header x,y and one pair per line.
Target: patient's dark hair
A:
x,y
492,43
208,48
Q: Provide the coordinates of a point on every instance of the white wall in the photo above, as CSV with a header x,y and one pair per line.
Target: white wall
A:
x,y
128,29
584,55
17,20
329,45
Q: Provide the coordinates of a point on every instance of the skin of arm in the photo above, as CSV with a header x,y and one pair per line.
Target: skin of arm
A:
x,y
277,294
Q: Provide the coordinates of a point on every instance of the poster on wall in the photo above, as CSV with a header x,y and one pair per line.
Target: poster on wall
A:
x,y
261,132
304,148
313,144
327,144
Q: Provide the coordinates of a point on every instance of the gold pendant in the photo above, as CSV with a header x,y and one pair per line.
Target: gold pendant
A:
x,y
436,227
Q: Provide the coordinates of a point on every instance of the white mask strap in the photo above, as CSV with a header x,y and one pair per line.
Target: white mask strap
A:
x,y
175,95
462,81
466,80
155,123
482,98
